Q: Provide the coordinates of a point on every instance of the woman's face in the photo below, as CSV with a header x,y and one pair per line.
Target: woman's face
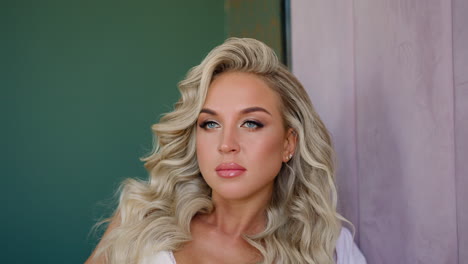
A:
x,y
241,139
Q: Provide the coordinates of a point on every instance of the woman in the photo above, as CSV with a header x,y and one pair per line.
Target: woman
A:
x,y
243,173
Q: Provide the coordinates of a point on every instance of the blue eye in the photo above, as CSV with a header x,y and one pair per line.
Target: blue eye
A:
x,y
252,124
209,125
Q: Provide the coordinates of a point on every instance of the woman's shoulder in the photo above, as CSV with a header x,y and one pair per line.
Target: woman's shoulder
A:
x,y
347,251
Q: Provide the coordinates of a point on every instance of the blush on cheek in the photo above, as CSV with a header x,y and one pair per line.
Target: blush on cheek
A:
x,y
206,154
269,149
200,153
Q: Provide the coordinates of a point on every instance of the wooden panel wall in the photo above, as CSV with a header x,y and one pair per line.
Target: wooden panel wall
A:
x,y
389,79
322,53
405,131
460,62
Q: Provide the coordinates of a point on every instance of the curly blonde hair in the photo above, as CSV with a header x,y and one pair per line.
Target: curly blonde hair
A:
x,y
302,221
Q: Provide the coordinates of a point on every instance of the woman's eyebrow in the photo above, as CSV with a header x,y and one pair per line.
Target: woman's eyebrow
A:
x,y
244,111
254,109
208,111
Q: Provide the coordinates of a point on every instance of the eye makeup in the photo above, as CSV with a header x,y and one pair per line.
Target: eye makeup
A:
x,y
252,124
249,124
208,124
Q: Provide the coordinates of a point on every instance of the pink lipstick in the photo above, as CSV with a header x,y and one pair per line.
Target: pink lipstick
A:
x,y
229,170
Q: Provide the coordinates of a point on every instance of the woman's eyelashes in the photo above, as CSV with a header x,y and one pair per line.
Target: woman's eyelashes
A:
x,y
250,124
209,125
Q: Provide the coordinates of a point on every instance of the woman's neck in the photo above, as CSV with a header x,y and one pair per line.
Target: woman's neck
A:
x,y
238,217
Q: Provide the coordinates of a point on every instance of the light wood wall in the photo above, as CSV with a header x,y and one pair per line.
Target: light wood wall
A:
x,y
390,79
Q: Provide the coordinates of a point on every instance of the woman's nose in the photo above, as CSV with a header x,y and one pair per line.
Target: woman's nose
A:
x,y
229,142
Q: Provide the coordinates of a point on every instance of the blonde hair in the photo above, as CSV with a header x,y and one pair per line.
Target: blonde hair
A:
x,y
302,222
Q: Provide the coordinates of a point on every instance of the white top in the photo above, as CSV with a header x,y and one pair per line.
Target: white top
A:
x,y
347,252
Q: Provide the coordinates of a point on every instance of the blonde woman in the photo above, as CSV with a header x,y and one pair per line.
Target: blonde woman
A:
x,y
242,173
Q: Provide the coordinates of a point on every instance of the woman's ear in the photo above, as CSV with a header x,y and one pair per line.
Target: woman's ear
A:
x,y
290,144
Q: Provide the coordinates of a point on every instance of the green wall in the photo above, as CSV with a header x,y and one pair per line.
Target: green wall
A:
x,y
259,19
81,83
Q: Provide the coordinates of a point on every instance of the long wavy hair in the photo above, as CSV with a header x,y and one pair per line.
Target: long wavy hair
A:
x,y
302,221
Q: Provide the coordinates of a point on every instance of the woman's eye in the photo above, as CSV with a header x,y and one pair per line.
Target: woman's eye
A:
x,y
252,124
209,125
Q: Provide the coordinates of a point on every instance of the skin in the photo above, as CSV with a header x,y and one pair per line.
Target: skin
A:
x,y
101,259
255,139
241,122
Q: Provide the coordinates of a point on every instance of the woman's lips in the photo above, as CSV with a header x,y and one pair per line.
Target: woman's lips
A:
x,y
229,170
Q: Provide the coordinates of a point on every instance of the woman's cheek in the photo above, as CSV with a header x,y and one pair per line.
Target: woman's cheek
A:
x,y
269,146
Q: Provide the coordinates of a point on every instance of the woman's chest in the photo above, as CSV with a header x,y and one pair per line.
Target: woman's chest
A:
x,y
209,248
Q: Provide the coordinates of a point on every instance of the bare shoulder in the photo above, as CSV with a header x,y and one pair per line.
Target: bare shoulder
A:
x,y
94,259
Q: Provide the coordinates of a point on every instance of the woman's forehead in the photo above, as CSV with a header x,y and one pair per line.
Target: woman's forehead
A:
x,y
241,90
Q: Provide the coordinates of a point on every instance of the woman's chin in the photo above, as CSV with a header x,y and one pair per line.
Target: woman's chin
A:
x,y
234,192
